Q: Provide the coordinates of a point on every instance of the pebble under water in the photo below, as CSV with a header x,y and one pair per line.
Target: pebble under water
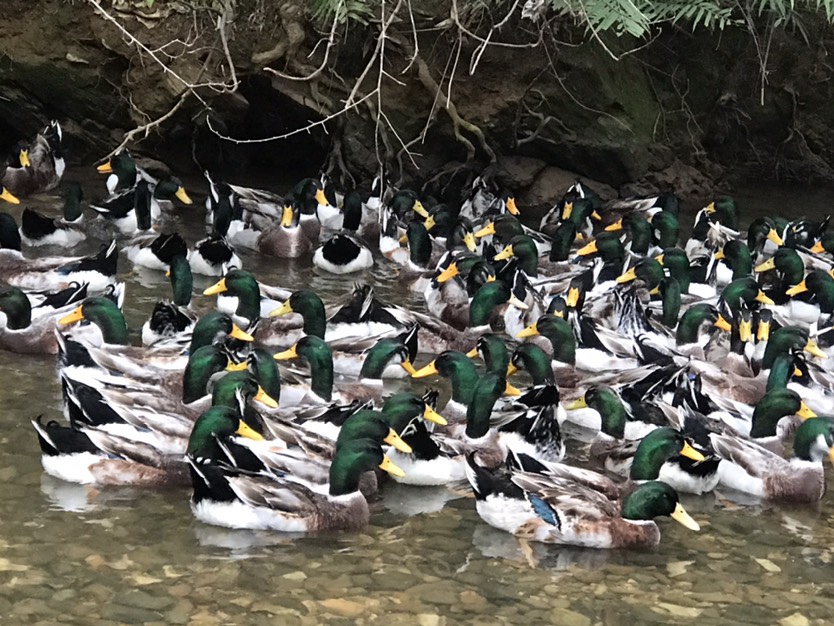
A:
x,y
73,554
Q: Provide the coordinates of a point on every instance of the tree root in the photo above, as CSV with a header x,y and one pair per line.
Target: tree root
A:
x,y
458,123
293,25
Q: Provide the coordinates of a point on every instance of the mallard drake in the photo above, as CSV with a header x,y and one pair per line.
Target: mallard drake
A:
x,y
320,390
285,240
129,210
821,286
121,170
750,468
25,333
37,229
172,321
677,263
405,203
147,451
41,164
343,253
225,497
239,295
213,256
504,227
463,376
51,273
156,252
543,508
440,459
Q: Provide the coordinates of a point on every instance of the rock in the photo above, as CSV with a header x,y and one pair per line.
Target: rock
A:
x,y
340,606
679,611
516,172
473,600
797,619
677,568
296,576
769,566
550,185
566,617
429,619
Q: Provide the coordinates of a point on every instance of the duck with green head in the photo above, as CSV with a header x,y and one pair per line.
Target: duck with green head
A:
x,y
751,468
37,229
239,295
638,231
462,375
21,331
225,497
763,237
446,463
103,314
677,263
542,508
786,339
610,249
172,321
820,285
736,256
502,228
790,270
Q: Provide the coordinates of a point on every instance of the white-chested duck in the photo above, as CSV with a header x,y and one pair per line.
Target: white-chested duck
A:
x,y
37,229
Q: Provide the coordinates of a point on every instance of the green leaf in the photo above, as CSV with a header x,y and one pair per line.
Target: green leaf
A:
x,y
149,3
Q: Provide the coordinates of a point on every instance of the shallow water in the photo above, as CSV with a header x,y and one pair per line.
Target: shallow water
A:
x,y
72,554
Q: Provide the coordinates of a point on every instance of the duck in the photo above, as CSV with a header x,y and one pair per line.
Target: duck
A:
x,y
547,509
52,273
172,321
343,253
820,285
41,164
22,332
751,468
37,229
213,256
286,239
122,172
129,210
145,451
239,295
504,227
156,252
228,497
440,459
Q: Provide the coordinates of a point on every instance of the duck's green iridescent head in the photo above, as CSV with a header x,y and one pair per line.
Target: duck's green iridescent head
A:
x,y
16,307
609,405
647,269
384,353
530,357
786,339
494,352
215,327
367,424
309,306
320,360
773,406
607,245
558,332
655,499
524,250
352,460
202,365
489,296
242,285
814,440
458,368
400,408
217,423
788,263
743,290
73,195
104,313
656,448
489,388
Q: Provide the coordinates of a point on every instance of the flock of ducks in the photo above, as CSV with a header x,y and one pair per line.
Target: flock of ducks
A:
x,y
698,366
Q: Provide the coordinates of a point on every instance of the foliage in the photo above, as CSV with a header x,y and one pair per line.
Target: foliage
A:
x,y
632,17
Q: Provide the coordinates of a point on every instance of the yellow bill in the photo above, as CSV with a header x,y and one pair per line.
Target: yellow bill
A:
x,y
264,398
763,332
286,355
396,442
590,248
510,390
244,430
105,168
238,333
321,198
387,465
745,330
813,349
218,287
723,324
76,316
761,297
430,415
511,206
577,404
768,265
449,273
473,353
427,370
797,289
236,367
774,237
573,297
683,518
618,225
6,195
408,367
531,331
506,253
512,368
286,217
282,310
469,242
567,210
805,412
183,196
818,248
659,259
489,229
429,223
691,453
420,210
630,275
24,159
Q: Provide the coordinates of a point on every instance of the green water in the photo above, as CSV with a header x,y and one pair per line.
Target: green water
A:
x,y
76,555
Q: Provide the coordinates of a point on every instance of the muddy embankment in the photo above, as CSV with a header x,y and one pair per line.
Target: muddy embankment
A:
x,y
686,112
